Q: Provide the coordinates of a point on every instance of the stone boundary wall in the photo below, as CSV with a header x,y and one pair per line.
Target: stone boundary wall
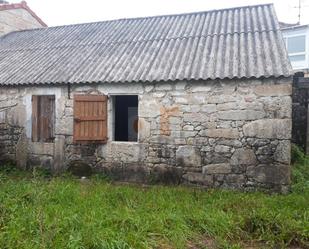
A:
x,y
300,114
9,137
230,133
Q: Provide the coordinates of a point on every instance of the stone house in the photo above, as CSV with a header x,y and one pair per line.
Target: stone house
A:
x,y
17,16
201,98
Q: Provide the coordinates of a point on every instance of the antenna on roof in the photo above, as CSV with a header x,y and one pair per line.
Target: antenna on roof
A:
x,y
299,11
299,7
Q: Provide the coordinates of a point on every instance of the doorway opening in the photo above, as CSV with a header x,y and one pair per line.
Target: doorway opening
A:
x,y
126,118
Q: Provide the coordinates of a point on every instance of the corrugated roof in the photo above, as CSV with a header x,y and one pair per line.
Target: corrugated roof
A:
x,y
242,42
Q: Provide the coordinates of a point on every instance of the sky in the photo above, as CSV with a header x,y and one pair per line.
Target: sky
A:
x,y
62,12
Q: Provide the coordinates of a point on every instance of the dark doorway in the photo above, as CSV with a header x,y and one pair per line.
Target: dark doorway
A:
x,y
126,118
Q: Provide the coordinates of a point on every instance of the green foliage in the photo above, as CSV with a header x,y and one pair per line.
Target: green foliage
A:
x,y
101,177
8,167
300,170
37,211
65,212
297,155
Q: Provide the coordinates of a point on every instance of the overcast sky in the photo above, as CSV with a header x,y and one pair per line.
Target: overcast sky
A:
x,y
61,12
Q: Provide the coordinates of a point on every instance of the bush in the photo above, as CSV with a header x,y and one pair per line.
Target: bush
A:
x,y
300,170
8,167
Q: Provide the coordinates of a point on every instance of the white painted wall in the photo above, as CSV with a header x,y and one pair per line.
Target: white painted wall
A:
x,y
294,32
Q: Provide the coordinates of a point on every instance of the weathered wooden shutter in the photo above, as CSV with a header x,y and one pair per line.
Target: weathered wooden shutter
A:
x,y
90,118
43,118
47,118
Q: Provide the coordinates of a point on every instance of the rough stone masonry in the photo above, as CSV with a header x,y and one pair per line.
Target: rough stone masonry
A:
x,y
221,133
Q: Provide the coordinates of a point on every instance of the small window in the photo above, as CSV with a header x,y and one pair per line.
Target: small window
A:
x,y
126,118
296,44
43,118
297,57
296,47
90,119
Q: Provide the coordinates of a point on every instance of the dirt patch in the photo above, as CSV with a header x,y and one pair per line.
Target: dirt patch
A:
x,y
254,245
202,243
262,245
210,243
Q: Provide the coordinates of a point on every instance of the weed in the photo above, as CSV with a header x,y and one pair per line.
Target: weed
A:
x,y
65,212
300,170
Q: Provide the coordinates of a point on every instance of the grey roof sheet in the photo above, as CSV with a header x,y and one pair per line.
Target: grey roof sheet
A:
x,y
242,42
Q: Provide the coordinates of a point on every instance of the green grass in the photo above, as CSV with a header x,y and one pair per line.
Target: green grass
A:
x,y
63,212
300,170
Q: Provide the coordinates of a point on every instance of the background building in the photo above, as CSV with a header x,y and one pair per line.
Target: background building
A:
x,y
296,38
18,16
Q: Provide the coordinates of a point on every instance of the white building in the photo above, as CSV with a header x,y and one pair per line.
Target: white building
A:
x,y
296,39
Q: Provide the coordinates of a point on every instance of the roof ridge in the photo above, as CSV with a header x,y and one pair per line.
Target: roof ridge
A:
x,y
144,40
149,17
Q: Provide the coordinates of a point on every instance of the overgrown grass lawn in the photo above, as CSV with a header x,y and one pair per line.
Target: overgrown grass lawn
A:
x,y
64,212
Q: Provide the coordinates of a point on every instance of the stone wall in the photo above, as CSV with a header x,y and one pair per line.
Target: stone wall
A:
x,y
299,114
231,133
9,137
